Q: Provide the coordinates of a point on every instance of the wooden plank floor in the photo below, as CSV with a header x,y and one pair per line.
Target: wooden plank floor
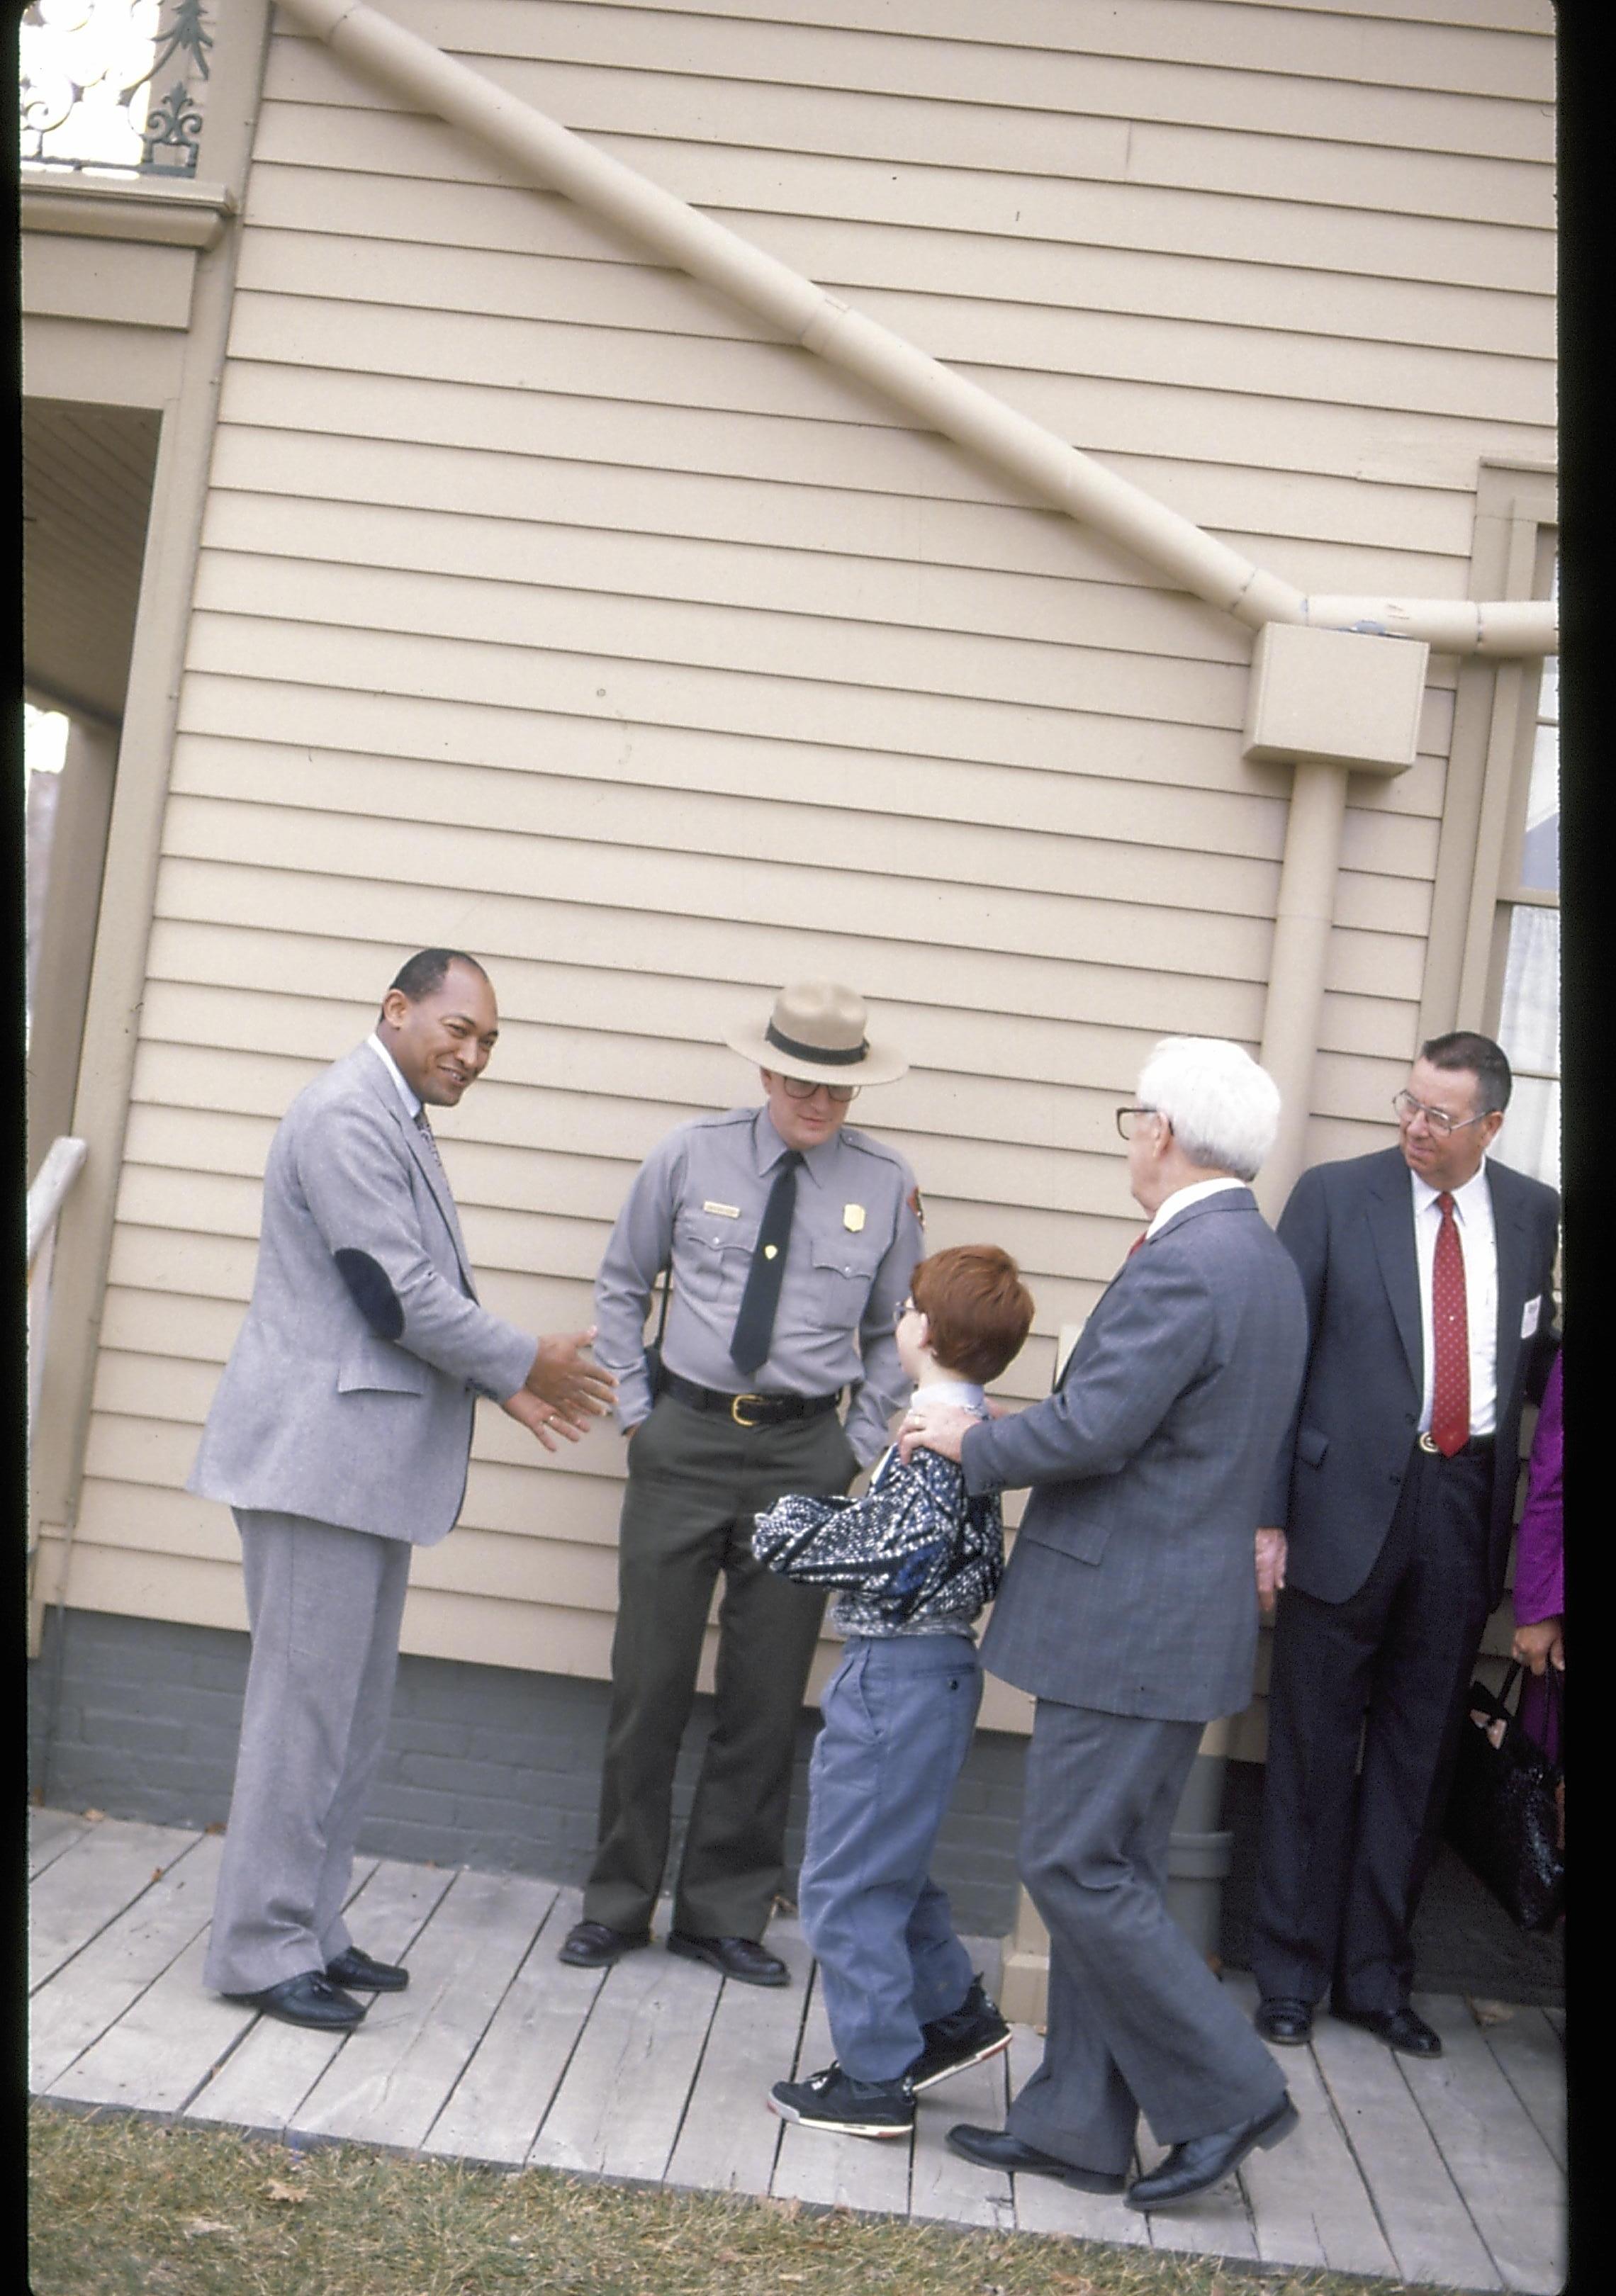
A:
x,y
657,2070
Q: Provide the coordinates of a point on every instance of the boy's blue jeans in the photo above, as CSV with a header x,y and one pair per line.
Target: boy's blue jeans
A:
x,y
899,1714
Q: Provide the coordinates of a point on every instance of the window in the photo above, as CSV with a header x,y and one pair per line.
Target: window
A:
x,y
1528,996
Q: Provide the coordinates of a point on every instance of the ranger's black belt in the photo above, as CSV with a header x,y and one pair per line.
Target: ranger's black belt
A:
x,y
748,1410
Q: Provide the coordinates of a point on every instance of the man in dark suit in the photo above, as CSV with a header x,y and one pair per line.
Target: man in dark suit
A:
x,y
1130,1611
1428,1274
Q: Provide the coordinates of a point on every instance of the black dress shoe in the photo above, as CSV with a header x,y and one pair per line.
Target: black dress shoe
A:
x,y
310,2000
1201,2162
354,1967
1399,2029
996,2148
742,1958
594,1944
1288,2022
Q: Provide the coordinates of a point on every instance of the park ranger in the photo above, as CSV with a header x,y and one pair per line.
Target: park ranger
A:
x,y
790,1239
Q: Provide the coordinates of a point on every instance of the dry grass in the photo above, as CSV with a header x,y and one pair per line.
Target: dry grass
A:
x,y
118,2204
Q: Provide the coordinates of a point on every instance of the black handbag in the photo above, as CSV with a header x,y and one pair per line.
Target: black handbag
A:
x,y
653,1348
1502,1818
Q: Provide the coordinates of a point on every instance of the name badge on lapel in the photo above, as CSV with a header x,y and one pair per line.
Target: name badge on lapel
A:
x,y
852,1218
1531,1317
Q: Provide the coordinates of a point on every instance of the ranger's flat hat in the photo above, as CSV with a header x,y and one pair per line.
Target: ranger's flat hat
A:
x,y
817,1031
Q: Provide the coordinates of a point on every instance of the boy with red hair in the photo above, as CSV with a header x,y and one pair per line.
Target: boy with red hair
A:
x,y
918,1560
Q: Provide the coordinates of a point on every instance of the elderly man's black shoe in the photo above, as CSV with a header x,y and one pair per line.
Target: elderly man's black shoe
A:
x,y
1399,2029
354,1967
996,2148
742,1958
1288,2022
1201,2161
311,1999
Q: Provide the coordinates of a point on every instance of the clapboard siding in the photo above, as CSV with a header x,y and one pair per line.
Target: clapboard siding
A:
x,y
547,606
1067,211
1290,291
919,472
1265,360
590,501
803,89
1117,404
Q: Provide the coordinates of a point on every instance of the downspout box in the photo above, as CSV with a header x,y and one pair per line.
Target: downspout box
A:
x,y
1334,697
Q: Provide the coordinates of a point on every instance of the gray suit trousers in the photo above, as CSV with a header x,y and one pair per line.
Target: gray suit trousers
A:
x,y
1137,2022
324,1605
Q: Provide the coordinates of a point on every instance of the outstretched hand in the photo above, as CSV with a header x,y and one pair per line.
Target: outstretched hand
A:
x,y
540,1419
574,1386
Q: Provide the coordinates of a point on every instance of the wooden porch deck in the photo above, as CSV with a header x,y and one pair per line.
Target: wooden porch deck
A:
x,y
657,2070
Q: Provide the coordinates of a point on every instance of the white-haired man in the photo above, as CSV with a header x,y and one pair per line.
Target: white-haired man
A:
x,y
1130,1613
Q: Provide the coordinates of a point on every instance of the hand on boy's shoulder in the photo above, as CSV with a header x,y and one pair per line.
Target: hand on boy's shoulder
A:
x,y
940,1426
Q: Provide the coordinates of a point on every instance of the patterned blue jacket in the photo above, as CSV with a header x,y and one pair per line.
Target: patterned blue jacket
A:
x,y
915,1554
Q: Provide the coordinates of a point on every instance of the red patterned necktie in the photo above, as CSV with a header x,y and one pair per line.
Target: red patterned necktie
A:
x,y
1450,1338
1136,1245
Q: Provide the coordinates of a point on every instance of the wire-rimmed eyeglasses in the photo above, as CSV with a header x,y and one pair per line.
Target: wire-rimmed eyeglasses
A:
x,y
1408,1108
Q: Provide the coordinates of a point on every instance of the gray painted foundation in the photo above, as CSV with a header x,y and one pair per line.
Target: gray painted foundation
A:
x,y
487,1767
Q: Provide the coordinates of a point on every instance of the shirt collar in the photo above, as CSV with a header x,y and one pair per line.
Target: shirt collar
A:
x,y
771,1148
1465,1199
1182,1197
411,1100
965,1392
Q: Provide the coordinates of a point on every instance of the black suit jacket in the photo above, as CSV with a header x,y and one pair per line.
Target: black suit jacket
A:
x,y
1350,1228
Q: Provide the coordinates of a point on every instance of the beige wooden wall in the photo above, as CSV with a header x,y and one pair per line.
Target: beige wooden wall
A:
x,y
547,609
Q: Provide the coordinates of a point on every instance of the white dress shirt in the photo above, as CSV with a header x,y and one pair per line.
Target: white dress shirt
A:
x,y
1473,1210
412,1100
1171,1206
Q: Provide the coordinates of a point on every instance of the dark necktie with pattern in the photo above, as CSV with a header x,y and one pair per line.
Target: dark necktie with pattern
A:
x,y
755,1323
426,1130
1450,1338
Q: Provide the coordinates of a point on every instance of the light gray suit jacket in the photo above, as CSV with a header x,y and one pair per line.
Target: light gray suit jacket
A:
x,y
1132,1586
350,1394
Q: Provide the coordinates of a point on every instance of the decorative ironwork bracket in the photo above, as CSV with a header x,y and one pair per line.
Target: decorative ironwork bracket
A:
x,y
89,87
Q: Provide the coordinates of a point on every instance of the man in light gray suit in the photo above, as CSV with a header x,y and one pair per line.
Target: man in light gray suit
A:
x,y
341,1435
1130,1611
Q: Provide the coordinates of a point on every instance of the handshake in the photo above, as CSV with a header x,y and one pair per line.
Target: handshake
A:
x,y
563,1391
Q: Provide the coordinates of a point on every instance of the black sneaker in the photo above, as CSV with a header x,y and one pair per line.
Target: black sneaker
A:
x,y
966,2036
833,2099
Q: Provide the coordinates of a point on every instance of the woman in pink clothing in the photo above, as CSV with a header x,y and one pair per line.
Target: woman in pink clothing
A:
x,y
1540,1591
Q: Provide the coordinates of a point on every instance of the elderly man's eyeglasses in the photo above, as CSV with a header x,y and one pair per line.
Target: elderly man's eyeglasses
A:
x,y
1408,1108
799,1088
1126,1119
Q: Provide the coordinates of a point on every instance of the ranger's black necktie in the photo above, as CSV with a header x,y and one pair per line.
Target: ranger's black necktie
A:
x,y
755,1323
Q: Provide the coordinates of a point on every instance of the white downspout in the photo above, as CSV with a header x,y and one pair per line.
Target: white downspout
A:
x,y
1048,466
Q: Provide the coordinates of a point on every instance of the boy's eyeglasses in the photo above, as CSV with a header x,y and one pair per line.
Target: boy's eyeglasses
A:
x,y
907,1308
799,1088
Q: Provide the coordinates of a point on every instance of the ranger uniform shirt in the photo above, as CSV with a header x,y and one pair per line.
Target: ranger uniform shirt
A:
x,y
699,1197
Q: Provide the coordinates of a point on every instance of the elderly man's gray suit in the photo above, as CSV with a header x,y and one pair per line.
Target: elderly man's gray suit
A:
x,y
1130,1613
339,1435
